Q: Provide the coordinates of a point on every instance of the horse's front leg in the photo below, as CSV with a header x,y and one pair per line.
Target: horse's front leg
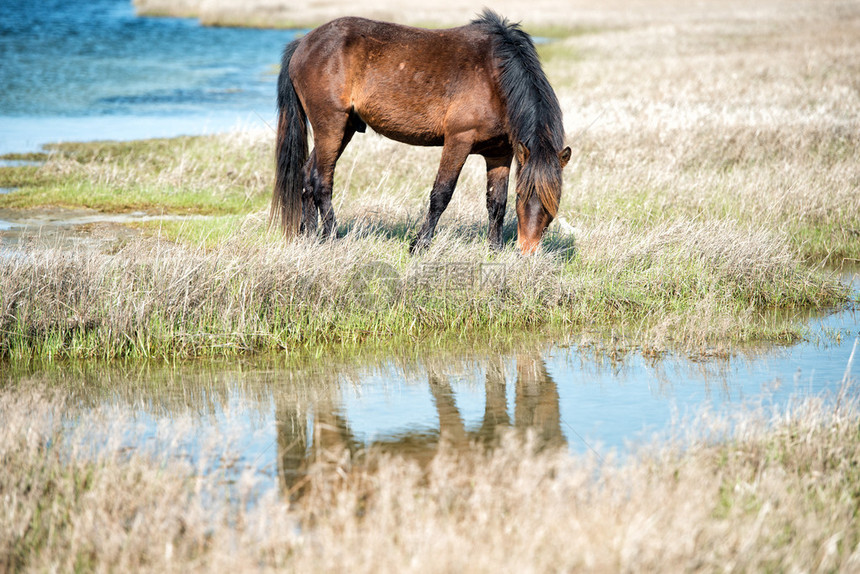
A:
x,y
454,154
496,405
498,172
451,428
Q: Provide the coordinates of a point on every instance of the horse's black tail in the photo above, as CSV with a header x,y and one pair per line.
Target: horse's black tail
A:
x,y
291,151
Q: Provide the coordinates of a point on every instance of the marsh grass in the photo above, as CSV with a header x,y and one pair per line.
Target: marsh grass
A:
x,y
226,285
689,286
546,18
714,177
764,489
746,117
204,175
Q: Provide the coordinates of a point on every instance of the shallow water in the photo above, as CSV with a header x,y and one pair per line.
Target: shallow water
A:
x,y
84,70
57,227
274,420
19,163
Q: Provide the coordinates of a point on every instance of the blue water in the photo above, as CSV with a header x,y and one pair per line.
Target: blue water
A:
x,y
273,419
83,70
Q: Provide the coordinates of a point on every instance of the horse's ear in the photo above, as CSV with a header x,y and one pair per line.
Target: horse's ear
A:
x,y
522,153
564,156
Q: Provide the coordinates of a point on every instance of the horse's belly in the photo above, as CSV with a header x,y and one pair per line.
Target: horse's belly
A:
x,y
403,125
428,124
406,134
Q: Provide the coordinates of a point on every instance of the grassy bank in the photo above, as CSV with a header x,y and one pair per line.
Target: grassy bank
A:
x,y
690,285
713,178
780,494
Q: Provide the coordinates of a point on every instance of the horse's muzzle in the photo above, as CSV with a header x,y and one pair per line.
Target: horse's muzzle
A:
x,y
528,246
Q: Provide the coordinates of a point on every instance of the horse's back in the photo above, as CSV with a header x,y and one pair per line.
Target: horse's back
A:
x,y
410,84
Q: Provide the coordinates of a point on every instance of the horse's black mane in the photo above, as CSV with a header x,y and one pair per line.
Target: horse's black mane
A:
x,y
533,111
534,114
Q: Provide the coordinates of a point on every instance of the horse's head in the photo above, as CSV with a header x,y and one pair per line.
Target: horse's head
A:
x,y
538,193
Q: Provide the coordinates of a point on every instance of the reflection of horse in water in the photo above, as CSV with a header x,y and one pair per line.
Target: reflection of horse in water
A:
x,y
325,437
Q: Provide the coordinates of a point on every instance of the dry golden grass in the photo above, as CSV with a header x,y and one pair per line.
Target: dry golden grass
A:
x,y
546,14
688,285
715,171
748,116
779,495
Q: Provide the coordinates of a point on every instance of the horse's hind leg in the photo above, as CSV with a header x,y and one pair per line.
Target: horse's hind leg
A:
x,y
330,139
309,209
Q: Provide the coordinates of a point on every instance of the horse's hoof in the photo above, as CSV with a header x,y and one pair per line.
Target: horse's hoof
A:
x,y
418,245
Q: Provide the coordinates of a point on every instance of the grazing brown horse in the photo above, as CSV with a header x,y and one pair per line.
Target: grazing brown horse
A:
x,y
475,89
